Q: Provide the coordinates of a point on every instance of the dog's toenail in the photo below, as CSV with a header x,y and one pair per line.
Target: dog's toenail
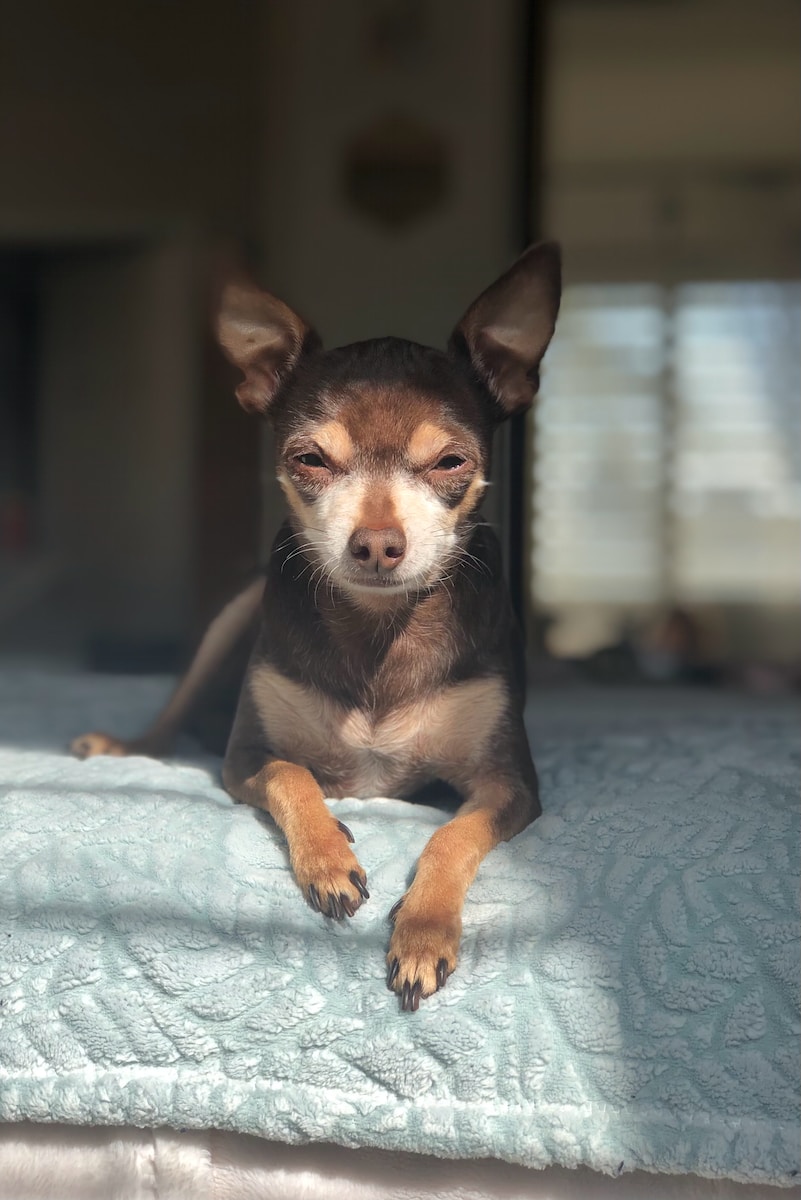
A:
x,y
392,973
357,883
442,973
344,829
396,907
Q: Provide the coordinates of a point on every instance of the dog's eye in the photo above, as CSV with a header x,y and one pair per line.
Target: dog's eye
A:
x,y
309,460
450,462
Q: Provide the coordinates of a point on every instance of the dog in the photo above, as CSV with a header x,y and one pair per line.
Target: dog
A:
x,y
387,655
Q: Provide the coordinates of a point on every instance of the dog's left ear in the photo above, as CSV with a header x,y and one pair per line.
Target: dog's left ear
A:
x,y
506,331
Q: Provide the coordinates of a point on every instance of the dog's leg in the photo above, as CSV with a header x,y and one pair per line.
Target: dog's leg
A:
x,y
218,641
323,863
428,920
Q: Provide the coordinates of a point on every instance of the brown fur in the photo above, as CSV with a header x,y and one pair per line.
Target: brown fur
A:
x,y
386,670
370,751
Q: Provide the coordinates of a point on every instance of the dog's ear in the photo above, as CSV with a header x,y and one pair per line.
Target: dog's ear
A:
x,y
506,331
264,338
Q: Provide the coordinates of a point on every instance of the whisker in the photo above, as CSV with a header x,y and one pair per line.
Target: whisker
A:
x,y
300,550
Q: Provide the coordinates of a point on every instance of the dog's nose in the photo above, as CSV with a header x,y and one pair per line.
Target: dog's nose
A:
x,y
377,549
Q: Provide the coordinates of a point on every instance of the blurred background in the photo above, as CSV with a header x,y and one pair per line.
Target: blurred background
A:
x,y
379,162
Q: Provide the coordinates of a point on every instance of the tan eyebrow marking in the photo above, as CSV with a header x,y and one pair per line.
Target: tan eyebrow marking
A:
x,y
426,442
335,441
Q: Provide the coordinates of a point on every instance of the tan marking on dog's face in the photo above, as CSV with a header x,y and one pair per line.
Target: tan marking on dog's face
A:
x,y
303,511
382,471
470,500
350,500
384,417
442,735
427,443
378,509
335,443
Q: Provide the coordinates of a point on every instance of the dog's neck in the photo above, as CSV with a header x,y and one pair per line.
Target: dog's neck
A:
x,y
376,657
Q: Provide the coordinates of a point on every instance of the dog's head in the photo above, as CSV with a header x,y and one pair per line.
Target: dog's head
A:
x,y
384,446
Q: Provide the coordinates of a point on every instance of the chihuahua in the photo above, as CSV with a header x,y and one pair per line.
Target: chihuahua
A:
x,y
387,656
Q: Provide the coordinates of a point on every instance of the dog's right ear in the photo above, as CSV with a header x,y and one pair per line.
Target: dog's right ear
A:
x,y
264,338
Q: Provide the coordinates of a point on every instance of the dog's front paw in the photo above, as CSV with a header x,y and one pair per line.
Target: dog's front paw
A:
x,y
422,953
88,745
330,874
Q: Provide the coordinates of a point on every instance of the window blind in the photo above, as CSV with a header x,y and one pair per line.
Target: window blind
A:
x,y
667,460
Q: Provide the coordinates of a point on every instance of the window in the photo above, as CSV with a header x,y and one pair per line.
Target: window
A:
x,y
667,448
735,487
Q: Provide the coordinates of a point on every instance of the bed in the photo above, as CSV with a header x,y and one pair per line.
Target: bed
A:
x,y
173,1020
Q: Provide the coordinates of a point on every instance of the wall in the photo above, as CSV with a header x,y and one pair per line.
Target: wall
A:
x,y
118,117
129,140
119,423
672,138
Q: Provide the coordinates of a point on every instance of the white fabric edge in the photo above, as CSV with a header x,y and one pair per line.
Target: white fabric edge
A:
x,y
64,1162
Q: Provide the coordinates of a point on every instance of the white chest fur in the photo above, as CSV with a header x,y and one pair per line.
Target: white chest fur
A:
x,y
355,753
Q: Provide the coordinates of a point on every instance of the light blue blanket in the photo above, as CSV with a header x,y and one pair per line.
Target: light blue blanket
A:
x,y
627,995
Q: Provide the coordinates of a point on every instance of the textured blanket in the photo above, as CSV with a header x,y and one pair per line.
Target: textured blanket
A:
x,y
626,996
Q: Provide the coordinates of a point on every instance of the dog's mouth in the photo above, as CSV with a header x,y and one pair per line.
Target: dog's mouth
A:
x,y
385,583
378,583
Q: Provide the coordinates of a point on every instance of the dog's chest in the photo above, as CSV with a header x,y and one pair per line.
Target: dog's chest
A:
x,y
354,752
